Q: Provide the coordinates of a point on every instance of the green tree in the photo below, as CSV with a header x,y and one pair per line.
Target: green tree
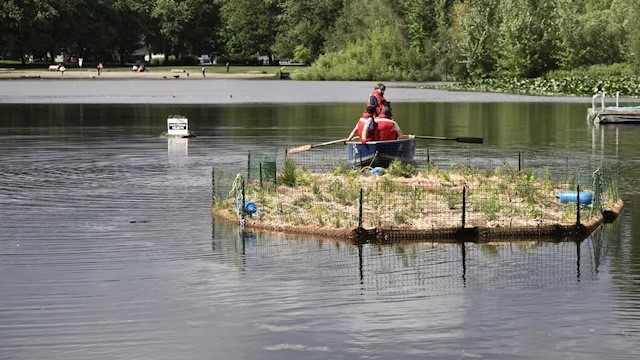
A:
x,y
633,55
249,27
305,23
28,26
203,33
420,21
303,54
571,51
103,30
377,50
478,36
592,33
527,37
447,53
603,38
173,16
127,26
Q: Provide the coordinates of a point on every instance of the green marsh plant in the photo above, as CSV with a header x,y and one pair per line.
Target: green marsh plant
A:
x,y
401,169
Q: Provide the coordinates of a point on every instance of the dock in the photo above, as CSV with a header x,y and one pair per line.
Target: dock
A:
x,y
612,114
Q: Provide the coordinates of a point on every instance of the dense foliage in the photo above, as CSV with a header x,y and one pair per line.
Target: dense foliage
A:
x,y
341,39
595,79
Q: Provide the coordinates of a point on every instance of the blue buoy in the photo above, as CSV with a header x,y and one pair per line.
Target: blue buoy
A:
x,y
584,197
250,207
377,171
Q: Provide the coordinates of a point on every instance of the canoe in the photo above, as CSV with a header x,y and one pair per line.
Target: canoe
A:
x,y
380,153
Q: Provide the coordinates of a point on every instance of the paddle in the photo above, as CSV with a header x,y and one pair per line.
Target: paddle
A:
x,y
297,149
462,139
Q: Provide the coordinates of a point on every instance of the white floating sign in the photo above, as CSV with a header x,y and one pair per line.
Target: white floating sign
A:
x,y
177,126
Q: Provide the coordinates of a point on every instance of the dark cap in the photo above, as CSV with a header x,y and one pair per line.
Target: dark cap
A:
x,y
371,109
386,110
381,87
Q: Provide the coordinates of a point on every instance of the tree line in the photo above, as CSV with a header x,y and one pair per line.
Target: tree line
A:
x,y
342,39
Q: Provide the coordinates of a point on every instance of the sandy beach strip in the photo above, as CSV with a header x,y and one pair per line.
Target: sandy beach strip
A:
x,y
7,73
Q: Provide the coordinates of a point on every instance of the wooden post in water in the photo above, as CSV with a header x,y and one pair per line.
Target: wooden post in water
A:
x,y
519,161
249,166
464,204
360,212
213,185
578,206
242,211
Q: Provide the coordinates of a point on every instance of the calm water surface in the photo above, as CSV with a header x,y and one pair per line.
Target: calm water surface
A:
x,y
108,251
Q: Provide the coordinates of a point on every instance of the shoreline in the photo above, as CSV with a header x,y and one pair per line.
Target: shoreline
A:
x,y
92,74
249,87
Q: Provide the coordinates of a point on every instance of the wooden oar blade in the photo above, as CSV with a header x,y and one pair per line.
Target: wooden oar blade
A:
x,y
299,149
462,139
469,140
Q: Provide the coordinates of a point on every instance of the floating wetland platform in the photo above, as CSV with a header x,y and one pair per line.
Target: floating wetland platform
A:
x,y
407,202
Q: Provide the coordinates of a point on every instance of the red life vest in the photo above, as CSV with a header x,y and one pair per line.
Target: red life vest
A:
x,y
381,101
371,135
386,128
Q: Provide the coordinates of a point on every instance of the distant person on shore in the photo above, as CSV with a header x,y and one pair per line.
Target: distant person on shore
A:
x,y
134,68
99,68
377,100
203,71
366,126
61,68
227,66
388,129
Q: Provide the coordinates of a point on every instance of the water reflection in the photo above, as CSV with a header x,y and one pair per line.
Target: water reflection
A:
x,y
417,269
178,150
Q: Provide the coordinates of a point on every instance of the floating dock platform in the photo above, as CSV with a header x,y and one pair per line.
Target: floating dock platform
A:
x,y
612,114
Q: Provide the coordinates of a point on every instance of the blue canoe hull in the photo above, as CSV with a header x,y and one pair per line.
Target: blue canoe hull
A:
x,y
380,153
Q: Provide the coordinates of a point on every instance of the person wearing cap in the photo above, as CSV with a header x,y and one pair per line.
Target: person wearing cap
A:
x,y
366,126
377,100
388,129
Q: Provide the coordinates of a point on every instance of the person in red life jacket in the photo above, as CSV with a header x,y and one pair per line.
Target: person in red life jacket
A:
x,y
366,127
388,129
377,100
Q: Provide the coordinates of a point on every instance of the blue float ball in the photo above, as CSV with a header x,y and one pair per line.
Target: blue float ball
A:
x,y
250,207
377,171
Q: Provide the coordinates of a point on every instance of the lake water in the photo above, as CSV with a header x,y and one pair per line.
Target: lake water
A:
x,y
108,249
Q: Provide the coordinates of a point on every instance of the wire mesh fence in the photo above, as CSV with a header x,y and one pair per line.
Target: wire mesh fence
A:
x,y
445,189
403,268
